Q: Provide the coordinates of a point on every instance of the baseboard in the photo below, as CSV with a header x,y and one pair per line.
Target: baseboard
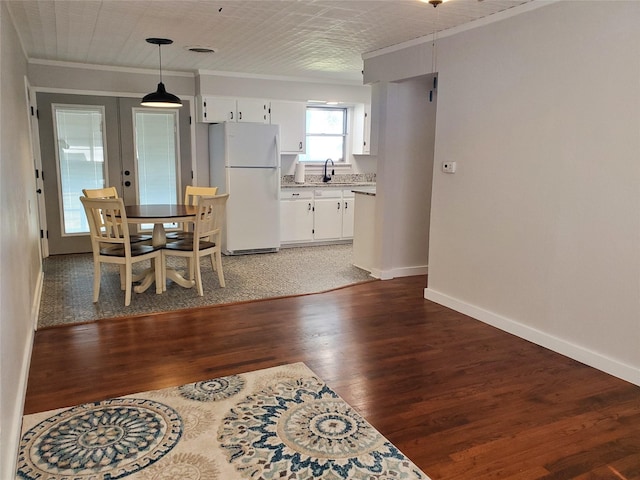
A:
x,y
316,244
37,297
9,465
558,345
399,272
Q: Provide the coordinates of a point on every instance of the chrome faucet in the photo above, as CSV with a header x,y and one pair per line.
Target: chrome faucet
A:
x,y
326,177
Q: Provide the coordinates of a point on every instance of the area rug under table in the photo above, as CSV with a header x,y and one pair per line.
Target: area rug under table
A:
x,y
277,423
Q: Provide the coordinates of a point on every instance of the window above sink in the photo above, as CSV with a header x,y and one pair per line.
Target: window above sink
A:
x,y
326,135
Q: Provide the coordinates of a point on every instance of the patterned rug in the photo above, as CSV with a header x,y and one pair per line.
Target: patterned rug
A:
x,y
67,293
277,423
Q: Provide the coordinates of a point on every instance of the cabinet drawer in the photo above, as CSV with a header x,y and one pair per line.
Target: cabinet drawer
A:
x,y
296,194
327,193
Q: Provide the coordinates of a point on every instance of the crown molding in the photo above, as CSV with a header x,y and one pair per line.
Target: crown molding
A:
x,y
481,22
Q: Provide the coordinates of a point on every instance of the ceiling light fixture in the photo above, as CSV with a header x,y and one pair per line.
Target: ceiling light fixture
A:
x,y
200,49
435,3
161,98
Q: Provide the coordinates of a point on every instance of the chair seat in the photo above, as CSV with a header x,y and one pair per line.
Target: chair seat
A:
x,y
140,238
186,245
136,250
179,235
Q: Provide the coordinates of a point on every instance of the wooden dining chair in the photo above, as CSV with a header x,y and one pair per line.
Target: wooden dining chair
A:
x,y
111,192
191,195
205,240
111,243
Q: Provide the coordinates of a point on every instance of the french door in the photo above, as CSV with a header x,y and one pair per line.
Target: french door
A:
x,y
96,141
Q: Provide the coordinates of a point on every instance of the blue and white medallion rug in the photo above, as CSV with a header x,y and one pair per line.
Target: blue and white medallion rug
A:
x,y
277,423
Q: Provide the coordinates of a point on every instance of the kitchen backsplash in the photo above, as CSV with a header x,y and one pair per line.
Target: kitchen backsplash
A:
x,y
338,178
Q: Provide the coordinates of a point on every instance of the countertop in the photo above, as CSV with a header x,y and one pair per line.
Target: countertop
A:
x,y
345,185
365,190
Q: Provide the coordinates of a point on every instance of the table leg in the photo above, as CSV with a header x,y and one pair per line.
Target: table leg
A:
x,y
149,277
179,279
159,237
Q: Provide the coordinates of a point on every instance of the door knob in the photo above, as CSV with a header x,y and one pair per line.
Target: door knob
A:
x,y
39,190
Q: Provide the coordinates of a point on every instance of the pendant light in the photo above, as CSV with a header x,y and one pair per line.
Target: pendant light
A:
x,y
434,52
161,98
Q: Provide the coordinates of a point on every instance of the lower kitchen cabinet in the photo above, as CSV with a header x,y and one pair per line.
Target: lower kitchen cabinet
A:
x,y
348,207
296,216
327,220
323,215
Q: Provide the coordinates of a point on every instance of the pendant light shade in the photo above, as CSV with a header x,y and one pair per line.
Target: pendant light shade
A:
x,y
161,98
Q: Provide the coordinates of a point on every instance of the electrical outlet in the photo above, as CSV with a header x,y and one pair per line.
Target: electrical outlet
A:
x,y
449,167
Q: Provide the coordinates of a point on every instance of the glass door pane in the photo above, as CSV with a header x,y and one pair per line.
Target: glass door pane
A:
x,y
156,146
81,160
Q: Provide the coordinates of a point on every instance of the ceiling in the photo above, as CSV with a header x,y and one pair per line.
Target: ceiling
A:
x,y
321,39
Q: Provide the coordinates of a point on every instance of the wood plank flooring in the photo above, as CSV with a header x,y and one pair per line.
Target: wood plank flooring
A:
x,y
462,399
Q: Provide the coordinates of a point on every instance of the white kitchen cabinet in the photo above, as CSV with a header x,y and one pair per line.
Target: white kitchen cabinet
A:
x,y
253,110
296,216
366,147
214,109
361,129
348,204
320,215
292,118
327,221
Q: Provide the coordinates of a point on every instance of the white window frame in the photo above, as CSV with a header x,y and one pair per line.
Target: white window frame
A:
x,y
344,135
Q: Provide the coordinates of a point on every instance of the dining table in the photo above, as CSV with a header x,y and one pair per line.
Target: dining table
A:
x,y
159,214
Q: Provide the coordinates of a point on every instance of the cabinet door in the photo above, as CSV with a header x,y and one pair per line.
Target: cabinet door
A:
x,y
347,215
366,148
291,116
219,109
328,219
253,110
296,220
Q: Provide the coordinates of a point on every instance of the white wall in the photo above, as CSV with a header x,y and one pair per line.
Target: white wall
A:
x,y
77,77
538,232
404,137
210,83
20,265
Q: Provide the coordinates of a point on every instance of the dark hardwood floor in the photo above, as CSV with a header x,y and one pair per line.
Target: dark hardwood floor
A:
x,y
463,400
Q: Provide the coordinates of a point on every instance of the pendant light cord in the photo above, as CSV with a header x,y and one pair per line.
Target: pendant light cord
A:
x,y
160,55
434,50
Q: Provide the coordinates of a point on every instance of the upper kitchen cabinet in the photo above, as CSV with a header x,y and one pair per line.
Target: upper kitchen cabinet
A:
x,y
213,109
366,145
291,116
362,129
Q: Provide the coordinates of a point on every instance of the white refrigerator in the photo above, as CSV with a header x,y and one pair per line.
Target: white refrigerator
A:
x,y
245,163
